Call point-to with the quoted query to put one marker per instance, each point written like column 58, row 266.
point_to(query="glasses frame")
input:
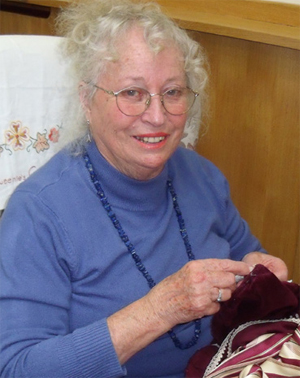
column 148, row 102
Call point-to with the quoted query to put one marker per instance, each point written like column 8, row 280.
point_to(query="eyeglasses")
column 134, row 101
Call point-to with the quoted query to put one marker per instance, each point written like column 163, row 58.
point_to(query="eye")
column 133, row 94
column 174, row 93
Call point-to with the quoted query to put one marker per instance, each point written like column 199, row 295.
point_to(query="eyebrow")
column 141, row 78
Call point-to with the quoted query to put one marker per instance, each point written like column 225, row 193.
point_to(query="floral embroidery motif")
column 18, row 137
column 41, row 143
column 54, row 135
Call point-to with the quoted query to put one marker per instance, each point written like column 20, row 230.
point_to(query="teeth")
column 151, row 139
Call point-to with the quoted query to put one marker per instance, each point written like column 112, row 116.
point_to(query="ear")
column 84, row 98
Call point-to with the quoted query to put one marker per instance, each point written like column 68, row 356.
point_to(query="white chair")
column 35, row 86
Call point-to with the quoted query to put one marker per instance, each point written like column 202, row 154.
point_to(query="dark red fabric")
column 260, row 296
column 252, row 332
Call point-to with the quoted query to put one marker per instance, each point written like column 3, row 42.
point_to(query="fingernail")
column 238, row 278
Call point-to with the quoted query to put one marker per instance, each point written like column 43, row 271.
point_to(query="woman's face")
column 138, row 146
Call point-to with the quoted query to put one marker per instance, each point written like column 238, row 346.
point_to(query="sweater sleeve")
column 35, row 292
column 235, row 229
column 238, row 234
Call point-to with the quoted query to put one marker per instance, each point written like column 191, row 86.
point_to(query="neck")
column 142, row 171
column 134, row 193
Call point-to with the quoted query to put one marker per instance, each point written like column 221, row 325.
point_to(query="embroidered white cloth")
column 34, row 88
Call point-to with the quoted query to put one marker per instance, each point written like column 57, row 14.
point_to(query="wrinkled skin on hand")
column 192, row 292
column 274, row 264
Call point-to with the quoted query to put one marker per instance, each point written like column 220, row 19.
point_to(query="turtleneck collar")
column 126, row 192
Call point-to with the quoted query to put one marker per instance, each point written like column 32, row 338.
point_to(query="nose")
column 155, row 113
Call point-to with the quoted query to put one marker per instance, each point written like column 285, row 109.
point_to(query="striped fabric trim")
column 271, row 355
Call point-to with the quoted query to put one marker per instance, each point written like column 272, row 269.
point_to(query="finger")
column 274, row 264
column 225, row 265
column 238, row 278
column 236, row 267
column 223, row 280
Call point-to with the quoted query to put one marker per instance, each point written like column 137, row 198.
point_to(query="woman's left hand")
column 274, row 264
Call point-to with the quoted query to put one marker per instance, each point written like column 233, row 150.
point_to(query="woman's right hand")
column 186, row 295
column 192, row 292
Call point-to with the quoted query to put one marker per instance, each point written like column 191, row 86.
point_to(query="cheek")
column 179, row 123
column 103, row 109
column 111, row 124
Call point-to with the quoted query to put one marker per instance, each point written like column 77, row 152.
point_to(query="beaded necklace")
column 138, row 262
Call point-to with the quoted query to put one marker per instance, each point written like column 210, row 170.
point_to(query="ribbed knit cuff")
column 91, row 354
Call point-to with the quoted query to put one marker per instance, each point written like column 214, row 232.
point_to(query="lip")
column 152, row 145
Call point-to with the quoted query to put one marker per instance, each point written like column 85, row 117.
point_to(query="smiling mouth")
column 151, row 140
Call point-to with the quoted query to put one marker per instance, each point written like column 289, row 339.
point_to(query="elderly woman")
column 117, row 252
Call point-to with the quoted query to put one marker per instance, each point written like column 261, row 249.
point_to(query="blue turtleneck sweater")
column 64, row 268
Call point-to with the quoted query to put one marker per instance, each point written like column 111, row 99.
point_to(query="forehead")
column 135, row 55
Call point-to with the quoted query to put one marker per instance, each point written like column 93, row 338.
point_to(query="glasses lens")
column 178, row 100
column 133, row 101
